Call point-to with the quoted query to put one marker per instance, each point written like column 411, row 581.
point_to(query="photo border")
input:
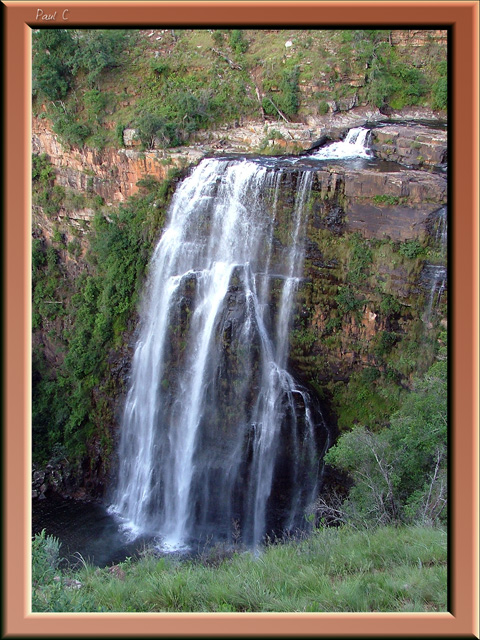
column 462, row 20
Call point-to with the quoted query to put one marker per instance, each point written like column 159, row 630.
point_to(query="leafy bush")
column 95, row 101
column 323, row 107
column 389, row 306
column 97, row 50
column 152, row 127
column 50, row 198
column 53, row 51
column 360, row 259
column 72, row 132
column 348, row 302
column 42, row 170
column 410, row 249
column 217, row 37
column 74, row 248
column 45, row 557
column 370, row 374
column 119, row 128
column 237, row 41
column 286, row 99
column 386, row 342
column 389, row 80
column 399, row 473
column 440, row 87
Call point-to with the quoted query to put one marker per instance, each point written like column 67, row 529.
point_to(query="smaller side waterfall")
column 434, row 276
column 355, row 145
column 441, row 228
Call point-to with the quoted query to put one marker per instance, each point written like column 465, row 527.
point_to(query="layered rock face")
column 365, row 229
column 381, row 204
column 114, row 173
column 411, row 146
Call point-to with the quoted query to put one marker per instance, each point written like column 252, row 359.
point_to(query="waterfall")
column 355, row 145
column 435, row 276
column 215, row 429
column 441, row 228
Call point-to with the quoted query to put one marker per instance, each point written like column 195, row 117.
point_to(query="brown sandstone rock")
column 410, row 145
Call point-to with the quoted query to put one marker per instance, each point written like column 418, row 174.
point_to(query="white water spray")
column 355, row 145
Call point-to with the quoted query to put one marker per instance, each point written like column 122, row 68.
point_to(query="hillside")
column 172, row 84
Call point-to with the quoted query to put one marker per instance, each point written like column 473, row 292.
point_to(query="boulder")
column 131, row 138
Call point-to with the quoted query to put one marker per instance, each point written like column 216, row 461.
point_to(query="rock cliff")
column 114, row 173
column 372, row 228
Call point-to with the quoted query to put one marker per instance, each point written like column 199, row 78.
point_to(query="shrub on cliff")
column 97, row 50
column 440, row 87
column 53, row 51
column 400, row 472
column 237, row 41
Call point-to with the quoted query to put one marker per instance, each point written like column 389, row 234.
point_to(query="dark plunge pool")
column 86, row 530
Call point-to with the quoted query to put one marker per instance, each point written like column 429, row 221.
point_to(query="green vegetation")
column 399, row 473
column 391, row 569
column 45, row 558
column 360, row 259
column 356, row 319
column 411, row 249
column 385, row 199
column 237, row 41
column 53, row 53
column 283, row 87
column 92, row 82
column 440, row 87
column 71, row 401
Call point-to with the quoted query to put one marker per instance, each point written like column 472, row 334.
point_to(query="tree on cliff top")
column 59, row 54
column 53, row 51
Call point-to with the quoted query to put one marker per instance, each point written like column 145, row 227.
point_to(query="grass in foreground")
column 389, row 569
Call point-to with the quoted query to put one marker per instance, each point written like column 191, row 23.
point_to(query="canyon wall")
column 362, row 305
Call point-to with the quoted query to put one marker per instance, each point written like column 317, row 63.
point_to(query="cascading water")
column 435, row 276
column 355, row 145
column 215, row 429
column 441, row 228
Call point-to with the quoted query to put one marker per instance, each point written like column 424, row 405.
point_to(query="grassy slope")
column 172, row 75
column 390, row 569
